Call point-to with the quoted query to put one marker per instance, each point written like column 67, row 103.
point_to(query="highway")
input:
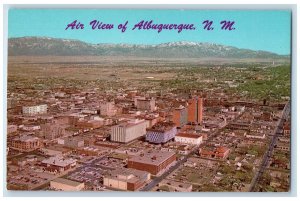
column 269, row 153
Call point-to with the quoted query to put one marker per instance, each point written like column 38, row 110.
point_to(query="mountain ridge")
column 46, row 46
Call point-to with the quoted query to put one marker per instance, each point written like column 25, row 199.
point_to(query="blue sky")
column 257, row 30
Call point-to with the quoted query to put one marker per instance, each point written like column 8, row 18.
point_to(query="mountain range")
column 43, row 46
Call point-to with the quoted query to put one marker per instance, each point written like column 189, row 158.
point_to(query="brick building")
column 145, row 104
column 195, row 110
column 180, row 116
column 58, row 164
column 152, row 161
column 188, row 138
column 26, row 143
column 216, row 152
column 126, row 179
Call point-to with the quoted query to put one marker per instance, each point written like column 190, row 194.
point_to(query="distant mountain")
column 41, row 46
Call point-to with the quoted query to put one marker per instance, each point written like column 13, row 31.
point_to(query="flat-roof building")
column 26, row 143
column 195, row 110
column 127, row 179
column 216, row 152
column 128, row 131
column 152, row 161
column 188, row 138
column 66, row 185
column 180, row 116
column 161, row 132
column 35, row 109
column 174, row 186
column 145, row 104
column 58, row 164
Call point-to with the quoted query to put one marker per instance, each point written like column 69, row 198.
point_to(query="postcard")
column 148, row 100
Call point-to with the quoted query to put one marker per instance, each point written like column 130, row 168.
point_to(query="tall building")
column 128, row 131
column 52, row 131
column 145, row 104
column 34, row 110
column 195, row 110
column 161, row 132
column 108, row 109
column 180, row 116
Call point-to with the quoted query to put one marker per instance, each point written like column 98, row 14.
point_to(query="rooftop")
column 26, row 138
column 188, row 135
column 66, row 182
column 162, row 127
column 59, row 161
column 127, row 174
column 152, row 157
column 131, row 123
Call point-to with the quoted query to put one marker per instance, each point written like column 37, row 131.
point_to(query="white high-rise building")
column 126, row 132
column 36, row 109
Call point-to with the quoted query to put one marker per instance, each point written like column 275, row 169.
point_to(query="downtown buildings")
column 161, row 132
column 128, row 131
column 152, row 161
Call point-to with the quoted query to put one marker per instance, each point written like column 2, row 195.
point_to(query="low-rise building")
column 90, row 124
column 255, row 135
column 152, row 161
column 56, row 150
column 72, row 142
column 58, row 164
column 66, row 185
column 30, row 127
column 174, row 186
column 282, row 146
column 287, row 129
column 188, row 138
column 216, row 152
column 26, row 143
column 126, row 179
column 11, row 129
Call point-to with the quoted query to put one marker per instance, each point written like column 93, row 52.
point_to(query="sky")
column 254, row 29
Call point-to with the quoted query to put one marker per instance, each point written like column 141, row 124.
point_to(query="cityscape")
column 105, row 123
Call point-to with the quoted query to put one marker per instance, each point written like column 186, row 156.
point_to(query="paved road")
column 269, row 153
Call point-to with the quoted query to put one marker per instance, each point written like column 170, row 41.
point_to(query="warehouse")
column 153, row 161
column 66, row 185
